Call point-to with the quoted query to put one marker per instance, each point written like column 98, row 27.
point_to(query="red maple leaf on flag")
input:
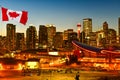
column 20, row 16
column 13, row 14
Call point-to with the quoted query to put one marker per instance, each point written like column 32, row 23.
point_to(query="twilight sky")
column 64, row 14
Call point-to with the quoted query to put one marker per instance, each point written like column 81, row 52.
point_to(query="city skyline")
column 64, row 14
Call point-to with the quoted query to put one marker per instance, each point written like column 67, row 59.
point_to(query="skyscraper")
column 11, row 37
column 43, row 36
column 31, row 37
column 68, row 36
column 20, row 41
column 87, row 26
column 58, row 40
column 66, row 32
column 51, row 30
column 105, row 30
column 106, row 37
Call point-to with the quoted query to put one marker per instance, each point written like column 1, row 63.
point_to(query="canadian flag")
column 20, row 16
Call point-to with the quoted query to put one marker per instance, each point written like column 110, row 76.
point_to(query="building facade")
column 106, row 37
column 31, row 35
column 43, row 36
column 68, row 36
column 51, row 30
column 20, row 41
column 11, row 37
column 58, row 40
column 87, row 26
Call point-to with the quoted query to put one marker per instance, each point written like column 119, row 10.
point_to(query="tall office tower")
column 105, row 30
column 119, row 28
column 87, row 26
column 20, row 41
column 51, row 30
column 31, row 35
column 11, row 39
column 68, row 36
column 66, row 32
column 3, row 42
column 43, row 36
column 65, row 35
column 58, row 40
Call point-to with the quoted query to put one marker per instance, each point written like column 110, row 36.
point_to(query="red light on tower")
column 78, row 31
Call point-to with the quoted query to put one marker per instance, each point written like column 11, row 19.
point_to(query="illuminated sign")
column 53, row 53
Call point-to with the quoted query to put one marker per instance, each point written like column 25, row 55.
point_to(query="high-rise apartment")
column 58, row 40
column 11, row 37
column 68, row 36
column 87, row 26
column 43, row 36
column 20, row 41
column 105, row 30
column 66, row 32
column 31, row 35
column 51, row 30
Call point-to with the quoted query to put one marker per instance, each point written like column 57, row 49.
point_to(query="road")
column 9, row 74
column 46, row 75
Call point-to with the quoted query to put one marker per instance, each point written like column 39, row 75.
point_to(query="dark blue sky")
column 64, row 14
